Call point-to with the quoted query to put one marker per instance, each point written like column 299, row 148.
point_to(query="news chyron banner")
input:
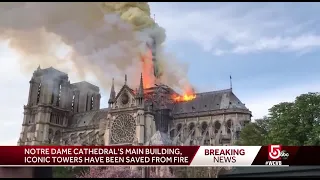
column 206, row 156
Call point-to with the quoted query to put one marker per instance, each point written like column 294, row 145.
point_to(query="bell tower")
column 47, row 109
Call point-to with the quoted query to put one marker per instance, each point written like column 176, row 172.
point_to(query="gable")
column 125, row 98
column 124, row 89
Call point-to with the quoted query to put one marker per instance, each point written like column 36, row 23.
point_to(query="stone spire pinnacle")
column 125, row 79
column 140, row 90
column 112, row 93
column 39, row 68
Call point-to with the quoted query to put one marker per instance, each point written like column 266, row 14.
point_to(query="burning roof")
column 162, row 96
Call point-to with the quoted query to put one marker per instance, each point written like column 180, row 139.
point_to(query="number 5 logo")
column 274, row 152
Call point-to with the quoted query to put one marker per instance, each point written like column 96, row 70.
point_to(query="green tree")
column 296, row 123
column 288, row 123
column 255, row 133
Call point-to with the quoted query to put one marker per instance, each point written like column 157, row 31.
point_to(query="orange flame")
column 149, row 79
column 189, row 95
column 185, row 97
column 147, row 69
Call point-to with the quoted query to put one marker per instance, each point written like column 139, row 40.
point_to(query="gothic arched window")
column 229, row 126
column 217, row 127
column 92, row 100
column 191, row 132
column 172, row 133
column 52, row 98
column 204, row 127
column 59, row 96
column 72, row 103
column 205, row 133
column 179, row 126
column 39, row 92
column 57, row 136
column 192, row 129
column 50, row 136
column 51, row 117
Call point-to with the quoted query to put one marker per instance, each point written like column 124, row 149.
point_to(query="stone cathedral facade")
column 59, row 112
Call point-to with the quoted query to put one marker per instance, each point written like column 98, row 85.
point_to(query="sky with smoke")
column 96, row 39
column 270, row 49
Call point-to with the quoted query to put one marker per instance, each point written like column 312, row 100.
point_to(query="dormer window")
column 39, row 92
column 92, row 100
column 72, row 103
column 59, row 96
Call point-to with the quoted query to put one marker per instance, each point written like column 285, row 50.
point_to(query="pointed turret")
column 112, row 94
column 140, row 93
column 38, row 70
column 140, row 90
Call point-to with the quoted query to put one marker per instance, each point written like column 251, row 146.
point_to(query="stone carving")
column 123, row 129
column 135, row 115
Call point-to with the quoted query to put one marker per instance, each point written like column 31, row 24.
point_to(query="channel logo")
column 275, row 153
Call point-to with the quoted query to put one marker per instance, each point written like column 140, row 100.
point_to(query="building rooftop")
column 209, row 101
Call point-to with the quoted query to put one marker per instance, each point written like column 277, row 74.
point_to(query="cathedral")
column 64, row 113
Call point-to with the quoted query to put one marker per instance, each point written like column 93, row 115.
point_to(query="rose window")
column 125, row 99
column 123, row 129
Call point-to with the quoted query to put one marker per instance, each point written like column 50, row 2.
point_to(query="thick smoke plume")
column 104, row 39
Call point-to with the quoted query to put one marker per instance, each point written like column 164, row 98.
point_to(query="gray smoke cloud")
column 101, row 39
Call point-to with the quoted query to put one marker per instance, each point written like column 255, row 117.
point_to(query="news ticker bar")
column 274, row 155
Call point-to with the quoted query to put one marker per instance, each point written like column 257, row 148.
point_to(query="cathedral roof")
column 50, row 72
column 85, row 84
column 160, row 97
column 159, row 139
column 88, row 118
column 208, row 101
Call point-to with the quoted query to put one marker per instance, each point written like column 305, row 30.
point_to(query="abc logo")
column 276, row 153
column 284, row 154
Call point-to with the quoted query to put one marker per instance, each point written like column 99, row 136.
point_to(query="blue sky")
column 270, row 49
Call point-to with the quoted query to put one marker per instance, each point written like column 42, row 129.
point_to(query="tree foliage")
column 120, row 172
column 255, row 133
column 288, row 123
